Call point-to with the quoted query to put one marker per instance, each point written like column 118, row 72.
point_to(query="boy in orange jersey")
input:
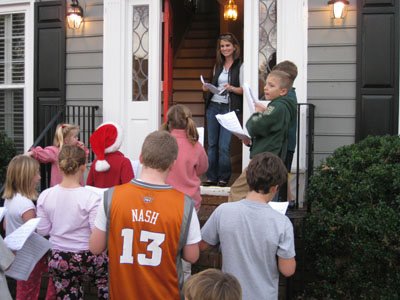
column 149, row 227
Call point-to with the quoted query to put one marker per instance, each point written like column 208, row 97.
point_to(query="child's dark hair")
column 180, row 117
column 265, row 171
column 70, row 159
column 212, row 284
column 159, row 150
column 62, row 131
column 20, row 173
column 288, row 67
column 229, row 37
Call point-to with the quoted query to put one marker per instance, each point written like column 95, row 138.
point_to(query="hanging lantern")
column 338, row 8
column 74, row 15
column 230, row 11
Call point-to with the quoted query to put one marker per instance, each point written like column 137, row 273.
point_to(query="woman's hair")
column 70, row 159
column 229, row 37
column 180, row 117
column 20, row 174
column 62, row 131
column 212, row 284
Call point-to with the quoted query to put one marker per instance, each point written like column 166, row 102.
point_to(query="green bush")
column 352, row 234
column 7, row 152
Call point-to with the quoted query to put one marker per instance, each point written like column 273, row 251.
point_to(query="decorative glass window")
column 267, row 42
column 12, row 77
column 140, row 61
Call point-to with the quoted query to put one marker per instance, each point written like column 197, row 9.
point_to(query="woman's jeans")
column 219, row 140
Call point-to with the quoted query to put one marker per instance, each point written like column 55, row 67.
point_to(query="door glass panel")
column 140, row 49
column 267, row 42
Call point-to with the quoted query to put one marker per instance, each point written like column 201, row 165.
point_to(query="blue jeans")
column 219, row 140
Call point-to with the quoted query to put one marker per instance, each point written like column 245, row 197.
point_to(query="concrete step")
column 194, row 63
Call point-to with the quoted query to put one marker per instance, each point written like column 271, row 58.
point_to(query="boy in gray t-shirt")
column 256, row 241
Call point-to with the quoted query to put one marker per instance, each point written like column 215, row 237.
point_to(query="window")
column 12, row 77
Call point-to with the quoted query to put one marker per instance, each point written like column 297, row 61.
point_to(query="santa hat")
column 107, row 138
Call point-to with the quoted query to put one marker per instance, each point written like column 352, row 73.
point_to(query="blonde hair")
column 288, row 67
column 212, row 284
column 21, row 172
column 180, row 117
column 229, row 37
column 70, row 159
column 159, row 150
column 62, row 131
column 284, row 79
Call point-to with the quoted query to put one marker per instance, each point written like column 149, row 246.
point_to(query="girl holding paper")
column 227, row 76
column 22, row 178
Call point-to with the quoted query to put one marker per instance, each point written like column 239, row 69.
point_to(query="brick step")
column 187, row 85
column 194, row 63
column 195, row 43
column 196, row 52
column 192, row 73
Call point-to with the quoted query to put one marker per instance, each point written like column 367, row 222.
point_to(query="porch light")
column 230, row 11
column 74, row 15
column 338, row 8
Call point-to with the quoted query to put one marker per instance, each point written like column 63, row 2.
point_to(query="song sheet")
column 279, row 206
column 213, row 89
column 3, row 211
column 27, row 257
column 16, row 240
column 200, row 130
column 230, row 122
column 250, row 99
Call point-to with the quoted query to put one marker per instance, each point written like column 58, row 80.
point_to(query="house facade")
column 348, row 68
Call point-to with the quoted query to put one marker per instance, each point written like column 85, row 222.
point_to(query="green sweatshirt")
column 269, row 130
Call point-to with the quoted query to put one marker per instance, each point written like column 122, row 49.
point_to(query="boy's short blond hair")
column 159, row 150
column 284, row 79
column 212, row 284
column 288, row 67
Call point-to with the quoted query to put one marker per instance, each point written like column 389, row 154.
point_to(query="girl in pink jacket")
column 66, row 134
column 192, row 159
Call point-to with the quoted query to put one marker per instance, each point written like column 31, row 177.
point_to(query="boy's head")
column 159, row 150
column 265, row 171
column 212, row 284
column 278, row 84
column 288, row 67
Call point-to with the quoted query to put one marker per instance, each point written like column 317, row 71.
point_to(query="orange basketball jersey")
column 148, row 227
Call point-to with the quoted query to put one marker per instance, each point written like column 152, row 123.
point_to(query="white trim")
column 27, row 7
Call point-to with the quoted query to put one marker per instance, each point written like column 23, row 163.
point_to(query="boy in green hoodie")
column 268, row 126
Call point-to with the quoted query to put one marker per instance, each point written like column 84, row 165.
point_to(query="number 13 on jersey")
column 153, row 239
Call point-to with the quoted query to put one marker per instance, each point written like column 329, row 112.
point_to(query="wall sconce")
column 338, row 8
column 230, row 11
column 74, row 15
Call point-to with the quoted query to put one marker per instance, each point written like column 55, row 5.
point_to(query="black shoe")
column 222, row 183
column 208, row 183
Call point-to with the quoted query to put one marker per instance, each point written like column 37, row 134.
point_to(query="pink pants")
column 30, row 289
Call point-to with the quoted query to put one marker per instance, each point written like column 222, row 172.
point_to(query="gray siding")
column 84, row 61
column 331, row 72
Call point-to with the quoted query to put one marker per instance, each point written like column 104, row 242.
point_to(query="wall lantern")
column 230, row 11
column 338, row 8
column 74, row 15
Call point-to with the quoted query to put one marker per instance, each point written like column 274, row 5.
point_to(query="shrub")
column 352, row 233
column 7, row 152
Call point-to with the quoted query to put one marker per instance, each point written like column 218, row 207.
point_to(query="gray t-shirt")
column 251, row 235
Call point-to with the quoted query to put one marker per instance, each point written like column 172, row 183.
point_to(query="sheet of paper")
column 249, row 97
column 3, row 211
column 213, row 89
column 200, row 130
column 98, row 191
column 279, row 206
column 230, row 122
column 33, row 250
column 15, row 241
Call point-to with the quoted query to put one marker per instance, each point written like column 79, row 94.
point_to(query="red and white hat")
column 107, row 138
